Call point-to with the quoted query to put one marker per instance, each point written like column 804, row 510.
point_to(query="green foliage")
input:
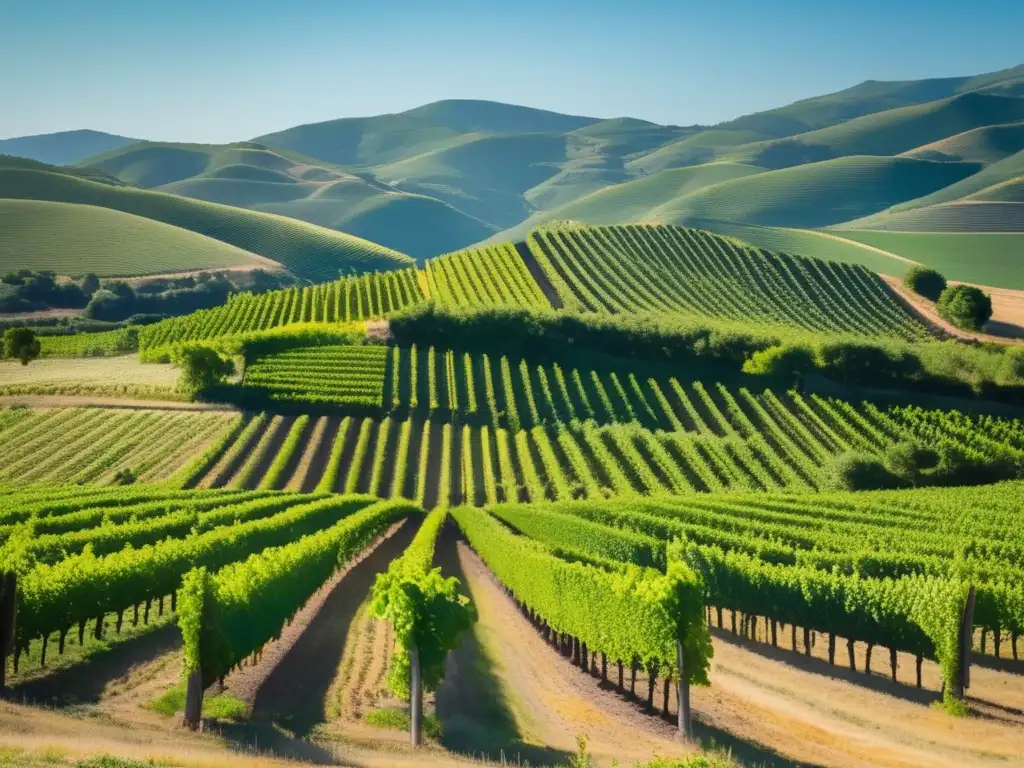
column 925, row 281
column 335, row 375
column 426, row 610
column 201, row 368
column 852, row 471
column 626, row 614
column 218, row 707
column 245, row 604
column 21, row 344
column 399, row 719
column 784, row 361
column 965, row 306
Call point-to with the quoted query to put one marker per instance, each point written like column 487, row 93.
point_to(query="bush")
column 965, row 306
column 786, row 360
column 907, row 461
column 21, row 344
column 853, row 471
column 855, row 362
column 201, row 368
column 925, row 281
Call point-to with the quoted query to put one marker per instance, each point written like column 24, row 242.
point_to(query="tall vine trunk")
column 849, row 650
column 416, row 697
column 832, row 648
column 893, row 663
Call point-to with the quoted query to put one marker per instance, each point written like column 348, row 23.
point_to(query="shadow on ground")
column 476, row 719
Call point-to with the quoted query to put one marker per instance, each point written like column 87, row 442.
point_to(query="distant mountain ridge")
column 942, row 153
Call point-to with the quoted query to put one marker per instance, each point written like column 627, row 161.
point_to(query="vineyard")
column 93, row 445
column 593, row 269
column 636, row 268
column 455, row 429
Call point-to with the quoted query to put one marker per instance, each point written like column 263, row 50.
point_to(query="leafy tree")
column 90, row 283
column 925, row 281
column 908, row 460
column 201, row 368
column 21, row 343
column 965, row 306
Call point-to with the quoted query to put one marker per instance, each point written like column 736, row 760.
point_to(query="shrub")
column 854, row 471
column 201, row 368
column 785, row 360
column 925, row 281
column 866, row 362
column 908, row 460
column 965, row 306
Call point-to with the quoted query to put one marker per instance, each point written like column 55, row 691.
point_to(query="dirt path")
column 548, row 701
column 91, row 401
column 289, row 687
column 538, row 275
column 1007, row 314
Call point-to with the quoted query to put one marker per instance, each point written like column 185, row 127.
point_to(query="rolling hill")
column 306, row 250
column 251, row 175
column 63, row 148
column 73, row 239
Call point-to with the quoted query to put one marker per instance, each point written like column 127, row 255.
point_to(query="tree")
column 201, row 368
column 965, row 306
column 786, row 360
column 21, row 343
column 925, row 281
column 90, row 283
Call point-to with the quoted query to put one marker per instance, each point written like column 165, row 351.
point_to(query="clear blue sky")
column 225, row 70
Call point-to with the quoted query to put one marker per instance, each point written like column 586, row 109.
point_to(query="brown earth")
column 1006, row 325
column 90, row 401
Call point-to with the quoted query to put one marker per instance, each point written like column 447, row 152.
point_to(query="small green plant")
column 581, row 759
column 219, row 707
column 397, row 719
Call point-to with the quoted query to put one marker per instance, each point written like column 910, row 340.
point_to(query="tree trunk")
column 135, row 616
column 892, row 663
column 584, row 657
column 652, row 681
column 120, row 620
column 775, row 638
column 1013, row 644
column 145, row 613
column 792, row 628
column 81, row 631
column 684, row 720
column 42, row 652
column 867, row 659
column 416, row 696
column 8, row 619
column 832, row 648
column 664, row 702
column 632, row 678
column 720, row 622
column 734, row 622
column 807, row 641
column 61, row 637
column 174, row 601
column 98, row 630
column 620, row 688
column 853, row 659
column 604, row 667
column 997, row 639
column 917, row 663
column 193, row 701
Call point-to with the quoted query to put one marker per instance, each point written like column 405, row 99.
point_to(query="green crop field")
column 988, row 258
column 671, row 269
column 80, row 445
column 309, row 251
column 74, row 239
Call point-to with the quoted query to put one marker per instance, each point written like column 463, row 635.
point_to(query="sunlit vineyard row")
column 688, row 271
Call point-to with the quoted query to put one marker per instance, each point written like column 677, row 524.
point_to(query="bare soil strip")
column 300, row 476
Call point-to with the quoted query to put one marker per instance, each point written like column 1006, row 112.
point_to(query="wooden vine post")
column 8, row 614
column 415, row 696
column 966, row 642
column 685, row 721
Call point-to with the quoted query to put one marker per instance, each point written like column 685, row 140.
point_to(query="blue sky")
column 225, row 70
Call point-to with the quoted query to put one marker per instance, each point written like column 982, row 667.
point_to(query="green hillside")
column 637, row 200
column 995, row 259
column 309, row 251
column 63, row 148
column 816, row 194
column 974, row 214
column 250, row 175
column 74, row 239
column 986, row 145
